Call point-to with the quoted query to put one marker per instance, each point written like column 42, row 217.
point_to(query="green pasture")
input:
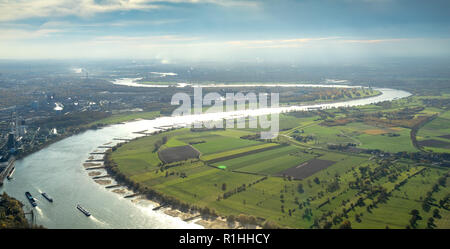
column 268, row 162
column 125, row 117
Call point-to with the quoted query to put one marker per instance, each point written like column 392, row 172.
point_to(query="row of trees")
column 239, row 189
column 159, row 143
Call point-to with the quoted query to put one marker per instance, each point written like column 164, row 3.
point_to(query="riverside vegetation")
column 12, row 214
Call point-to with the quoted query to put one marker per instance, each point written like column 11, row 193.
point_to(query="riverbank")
column 62, row 164
column 12, row 215
column 207, row 222
column 152, row 115
column 170, row 205
column 99, row 124
column 76, row 131
column 179, row 207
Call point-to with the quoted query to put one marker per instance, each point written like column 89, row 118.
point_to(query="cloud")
column 174, row 49
column 225, row 3
column 96, row 25
column 142, row 41
column 279, row 43
column 23, row 9
column 373, row 41
column 300, row 42
column 21, row 34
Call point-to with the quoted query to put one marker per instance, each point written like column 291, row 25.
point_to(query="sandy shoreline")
column 103, row 182
column 87, row 165
column 120, row 191
column 206, row 222
column 95, row 173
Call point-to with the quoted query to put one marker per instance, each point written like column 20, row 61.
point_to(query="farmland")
column 307, row 169
column 179, row 153
column 435, row 136
column 268, row 162
column 125, row 117
column 326, row 168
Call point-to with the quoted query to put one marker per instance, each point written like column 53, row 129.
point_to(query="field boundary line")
column 215, row 160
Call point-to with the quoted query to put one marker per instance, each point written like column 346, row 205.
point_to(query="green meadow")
column 368, row 190
column 125, row 117
column 268, row 162
column 435, row 130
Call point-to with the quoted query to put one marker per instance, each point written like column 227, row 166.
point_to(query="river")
column 58, row 170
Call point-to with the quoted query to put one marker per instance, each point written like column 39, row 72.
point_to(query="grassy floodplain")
column 437, row 130
column 368, row 190
column 125, row 117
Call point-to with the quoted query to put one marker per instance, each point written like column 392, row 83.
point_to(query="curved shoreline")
column 133, row 82
column 207, row 221
column 108, row 133
column 175, row 209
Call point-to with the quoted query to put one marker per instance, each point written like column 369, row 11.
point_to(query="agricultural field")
column 435, row 136
column 211, row 142
column 306, row 169
column 303, row 179
column 230, row 154
column 268, row 162
column 389, row 139
column 125, row 117
column 179, row 153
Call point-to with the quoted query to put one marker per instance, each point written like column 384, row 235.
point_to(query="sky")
column 171, row 31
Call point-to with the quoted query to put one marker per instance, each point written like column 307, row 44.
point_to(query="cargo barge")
column 84, row 211
column 11, row 172
column 46, row 196
column 31, row 199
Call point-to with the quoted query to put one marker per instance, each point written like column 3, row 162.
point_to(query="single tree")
column 346, row 225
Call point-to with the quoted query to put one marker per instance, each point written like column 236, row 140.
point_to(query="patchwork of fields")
column 296, row 180
column 364, row 135
column 269, row 162
column 126, row 117
column 179, row 153
column 435, row 135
